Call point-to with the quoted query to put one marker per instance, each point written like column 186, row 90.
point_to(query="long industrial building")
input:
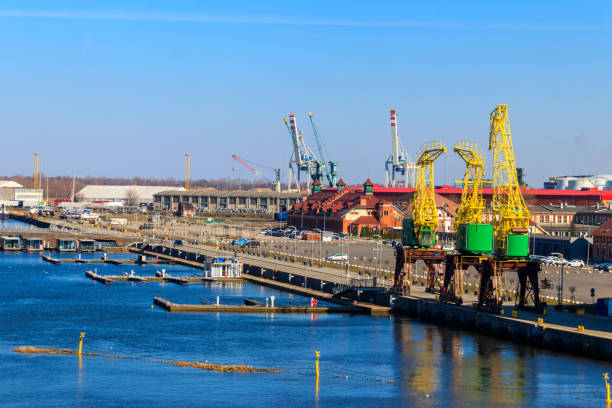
column 126, row 194
column 253, row 201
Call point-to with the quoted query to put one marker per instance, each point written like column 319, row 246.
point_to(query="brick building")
column 602, row 242
column 351, row 209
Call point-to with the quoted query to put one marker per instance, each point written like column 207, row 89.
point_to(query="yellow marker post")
column 514, row 314
column 540, row 320
column 318, row 354
column 81, row 343
column 608, row 398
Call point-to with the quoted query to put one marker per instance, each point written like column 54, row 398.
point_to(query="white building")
column 598, row 181
column 125, row 194
column 13, row 194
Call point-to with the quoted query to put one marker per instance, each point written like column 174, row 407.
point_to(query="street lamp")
column 379, row 250
column 294, row 242
column 320, row 244
column 560, row 256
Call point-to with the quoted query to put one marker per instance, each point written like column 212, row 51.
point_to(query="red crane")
column 251, row 168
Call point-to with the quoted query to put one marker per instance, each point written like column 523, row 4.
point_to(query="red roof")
column 341, row 183
column 604, row 230
column 365, row 220
column 368, row 182
column 317, row 182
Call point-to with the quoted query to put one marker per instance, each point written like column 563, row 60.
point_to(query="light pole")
column 320, row 244
column 560, row 256
column 294, row 242
column 379, row 250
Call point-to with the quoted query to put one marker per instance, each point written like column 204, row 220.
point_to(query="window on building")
column 541, row 218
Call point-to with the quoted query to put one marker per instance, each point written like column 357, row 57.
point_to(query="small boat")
column 252, row 302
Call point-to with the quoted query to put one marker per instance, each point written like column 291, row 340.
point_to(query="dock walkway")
column 174, row 307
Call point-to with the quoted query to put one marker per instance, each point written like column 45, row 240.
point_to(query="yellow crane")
column 187, row 155
column 473, row 235
column 35, row 170
column 421, row 229
column 511, row 216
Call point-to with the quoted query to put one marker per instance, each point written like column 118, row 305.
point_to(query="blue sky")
column 126, row 88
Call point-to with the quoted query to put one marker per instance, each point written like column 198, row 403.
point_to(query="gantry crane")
column 474, row 236
column 302, row 158
column 399, row 162
column 258, row 173
column 511, row 216
column 421, row 229
column 329, row 168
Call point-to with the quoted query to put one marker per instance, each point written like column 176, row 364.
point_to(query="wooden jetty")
column 53, row 261
column 252, row 302
column 174, row 307
column 98, row 278
column 179, row 280
column 116, row 262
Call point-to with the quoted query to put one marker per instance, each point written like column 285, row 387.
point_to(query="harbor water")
column 365, row 361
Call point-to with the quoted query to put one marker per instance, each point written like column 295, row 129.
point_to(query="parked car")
column 252, row 244
column 337, row 257
column 552, row 260
column 240, row 241
column 603, row 266
column 178, row 242
column 576, row 263
column 536, row 257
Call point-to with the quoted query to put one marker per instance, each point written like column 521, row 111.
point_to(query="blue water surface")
column 365, row 361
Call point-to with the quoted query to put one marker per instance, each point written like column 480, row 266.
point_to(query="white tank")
column 579, row 184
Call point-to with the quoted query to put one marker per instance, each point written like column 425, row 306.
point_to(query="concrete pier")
column 174, row 307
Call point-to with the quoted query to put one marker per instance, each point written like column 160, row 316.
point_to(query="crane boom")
column 328, row 167
column 251, row 168
column 511, row 216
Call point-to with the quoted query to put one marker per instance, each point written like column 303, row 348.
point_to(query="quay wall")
column 522, row 331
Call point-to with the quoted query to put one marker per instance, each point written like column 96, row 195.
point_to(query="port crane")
column 419, row 232
column 474, row 242
column 399, row 162
column 258, row 173
column 329, row 168
column 511, row 216
column 422, row 232
column 302, row 159
column 473, row 234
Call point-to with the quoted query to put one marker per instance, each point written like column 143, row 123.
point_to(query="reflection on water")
column 379, row 362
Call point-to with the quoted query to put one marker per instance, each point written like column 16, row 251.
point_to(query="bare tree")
column 131, row 197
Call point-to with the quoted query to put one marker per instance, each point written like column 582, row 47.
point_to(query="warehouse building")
column 130, row 195
column 13, row 194
column 215, row 201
